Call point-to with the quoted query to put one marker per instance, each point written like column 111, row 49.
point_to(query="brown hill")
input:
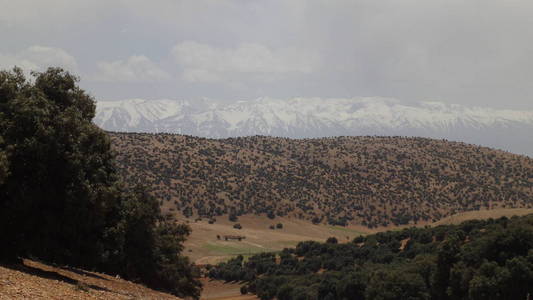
column 34, row 280
column 373, row 181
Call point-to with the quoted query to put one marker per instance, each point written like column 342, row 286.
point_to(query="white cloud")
column 39, row 58
column 472, row 52
column 136, row 68
column 205, row 63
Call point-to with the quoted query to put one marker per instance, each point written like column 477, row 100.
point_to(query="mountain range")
column 509, row 130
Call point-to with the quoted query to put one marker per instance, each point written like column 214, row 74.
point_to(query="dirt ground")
column 34, row 280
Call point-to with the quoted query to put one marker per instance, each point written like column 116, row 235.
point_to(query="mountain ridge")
column 505, row 129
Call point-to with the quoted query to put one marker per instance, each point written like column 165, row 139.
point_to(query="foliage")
column 62, row 201
column 490, row 259
column 53, row 203
column 4, row 169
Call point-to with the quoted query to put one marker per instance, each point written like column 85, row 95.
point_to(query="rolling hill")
column 315, row 117
column 371, row 181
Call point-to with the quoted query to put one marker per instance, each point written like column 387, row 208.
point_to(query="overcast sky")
column 473, row 52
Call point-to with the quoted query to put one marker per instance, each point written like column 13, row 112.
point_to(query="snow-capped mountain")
column 510, row 130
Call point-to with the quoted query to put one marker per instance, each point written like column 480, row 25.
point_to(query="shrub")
column 244, row 290
column 233, row 217
column 332, row 240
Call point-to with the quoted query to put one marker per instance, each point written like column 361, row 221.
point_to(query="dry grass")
column 203, row 247
column 218, row 290
column 482, row 215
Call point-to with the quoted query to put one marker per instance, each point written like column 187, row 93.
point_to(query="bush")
column 332, row 240
column 237, row 226
column 233, row 217
column 244, row 290
column 279, row 226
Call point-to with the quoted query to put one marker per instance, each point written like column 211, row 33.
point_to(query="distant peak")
column 317, row 117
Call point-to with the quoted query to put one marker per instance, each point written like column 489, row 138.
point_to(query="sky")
column 470, row 52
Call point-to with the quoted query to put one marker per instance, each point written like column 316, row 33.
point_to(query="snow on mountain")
column 315, row 117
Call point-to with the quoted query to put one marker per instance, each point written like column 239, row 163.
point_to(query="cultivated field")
column 203, row 247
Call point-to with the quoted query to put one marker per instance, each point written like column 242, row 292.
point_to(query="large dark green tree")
column 62, row 202
column 3, row 163
column 144, row 246
column 52, row 203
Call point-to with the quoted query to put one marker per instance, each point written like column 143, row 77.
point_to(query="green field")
column 345, row 229
column 241, row 248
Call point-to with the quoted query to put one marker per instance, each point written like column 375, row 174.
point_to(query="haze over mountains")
column 509, row 130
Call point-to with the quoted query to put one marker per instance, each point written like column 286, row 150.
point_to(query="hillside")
column 483, row 215
column 475, row 260
column 372, row 181
column 203, row 246
column 34, row 280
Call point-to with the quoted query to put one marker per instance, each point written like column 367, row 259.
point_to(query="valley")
column 203, row 246
column 266, row 150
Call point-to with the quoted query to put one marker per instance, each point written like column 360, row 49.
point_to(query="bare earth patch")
column 35, row 280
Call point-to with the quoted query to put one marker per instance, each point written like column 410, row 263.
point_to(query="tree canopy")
column 60, row 197
column 490, row 259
